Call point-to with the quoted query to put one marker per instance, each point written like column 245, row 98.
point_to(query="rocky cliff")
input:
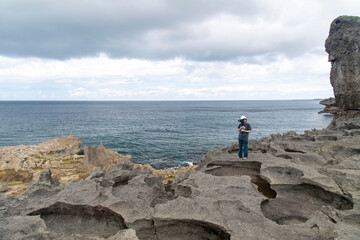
column 293, row 186
column 344, row 54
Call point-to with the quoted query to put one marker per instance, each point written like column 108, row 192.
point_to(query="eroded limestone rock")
column 21, row 165
column 100, row 156
column 343, row 46
column 330, row 106
column 303, row 185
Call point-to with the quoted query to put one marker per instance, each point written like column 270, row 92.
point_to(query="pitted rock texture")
column 346, row 120
column 21, row 165
column 343, row 46
column 303, row 185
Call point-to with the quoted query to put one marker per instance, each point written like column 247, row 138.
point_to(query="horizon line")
column 157, row 100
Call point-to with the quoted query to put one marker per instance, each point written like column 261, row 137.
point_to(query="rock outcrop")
column 292, row 186
column 102, row 157
column 330, row 106
column 21, row 165
column 343, row 46
column 344, row 54
column 303, row 185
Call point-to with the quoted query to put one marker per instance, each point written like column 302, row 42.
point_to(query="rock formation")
column 20, row 165
column 330, row 106
column 102, row 157
column 343, row 46
column 344, row 54
column 293, row 186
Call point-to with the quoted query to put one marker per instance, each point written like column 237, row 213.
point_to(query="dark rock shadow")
column 244, row 168
column 179, row 229
column 296, row 203
column 68, row 220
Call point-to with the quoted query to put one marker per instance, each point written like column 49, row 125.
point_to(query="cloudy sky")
column 166, row 50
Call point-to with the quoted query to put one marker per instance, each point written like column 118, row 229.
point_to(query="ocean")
column 164, row 134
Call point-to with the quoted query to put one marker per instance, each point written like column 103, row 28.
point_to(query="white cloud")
column 78, row 92
column 104, row 78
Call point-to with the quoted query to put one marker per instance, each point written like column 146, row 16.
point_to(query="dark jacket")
column 244, row 135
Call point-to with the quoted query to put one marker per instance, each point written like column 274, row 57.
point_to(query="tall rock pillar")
column 343, row 47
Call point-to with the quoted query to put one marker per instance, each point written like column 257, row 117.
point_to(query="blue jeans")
column 241, row 144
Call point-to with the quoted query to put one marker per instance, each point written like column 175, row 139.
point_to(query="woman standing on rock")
column 244, row 129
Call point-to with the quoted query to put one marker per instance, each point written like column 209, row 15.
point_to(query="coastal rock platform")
column 292, row 186
column 21, row 165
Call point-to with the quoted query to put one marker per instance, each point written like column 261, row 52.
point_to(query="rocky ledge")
column 330, row 106
column 21, row 165
column 293, row 186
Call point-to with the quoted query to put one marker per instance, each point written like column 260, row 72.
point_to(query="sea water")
column 164, row 134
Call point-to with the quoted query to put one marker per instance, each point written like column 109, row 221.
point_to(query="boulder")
column 100, row 156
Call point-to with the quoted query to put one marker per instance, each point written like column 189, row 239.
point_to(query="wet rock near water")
column 330, row 106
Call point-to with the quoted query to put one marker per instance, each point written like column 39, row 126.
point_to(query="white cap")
column 243, row 117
